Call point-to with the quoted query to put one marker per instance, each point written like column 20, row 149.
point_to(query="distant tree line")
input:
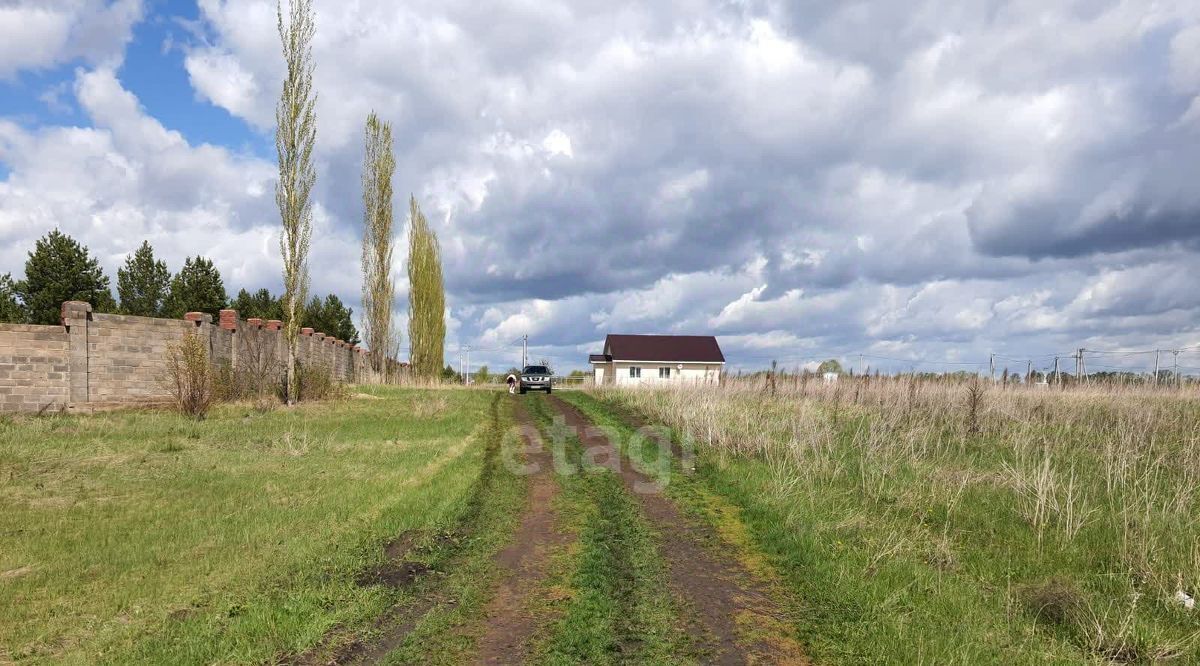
column 60, row 269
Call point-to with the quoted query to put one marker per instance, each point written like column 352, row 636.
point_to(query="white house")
column 658, row 359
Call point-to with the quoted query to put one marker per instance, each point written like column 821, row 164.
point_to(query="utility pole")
column 1057, row 378
column 1029, row 373
column 524, row 352
column 1156, row 353
column 467, row 376
column 1178, row 383
column 1081, row 369
column 992, row 365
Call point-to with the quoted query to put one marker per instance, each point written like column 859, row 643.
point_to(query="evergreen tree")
column 426, row 297
column 11, row 309
column 331, row 317
column 259, row 305
column 143, row 284
column 60, row 269
column 197, row 288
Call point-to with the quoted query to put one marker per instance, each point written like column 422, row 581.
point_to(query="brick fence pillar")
column 75, row 317
column 203, row 322
column 200, row 317
column 228, row 321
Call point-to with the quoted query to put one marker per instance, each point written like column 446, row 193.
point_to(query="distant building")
column 658, row 359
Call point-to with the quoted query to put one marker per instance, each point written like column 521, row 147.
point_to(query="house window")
column 635, row 372
column 664, row 373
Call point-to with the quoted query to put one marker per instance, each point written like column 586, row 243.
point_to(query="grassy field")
column 1050, row 527
column 144, row 537
column 902, row 523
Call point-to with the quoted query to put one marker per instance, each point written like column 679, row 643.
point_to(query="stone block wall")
column 127, row 356
column 95, row 359
column 34, row 368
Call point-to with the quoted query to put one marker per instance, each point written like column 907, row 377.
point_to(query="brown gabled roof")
column 666, row 348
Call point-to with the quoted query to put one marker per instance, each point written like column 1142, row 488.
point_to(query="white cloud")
column 558, row 143
column 38, row 34
column 220, row 78
column 129, row 178
column 903, row 178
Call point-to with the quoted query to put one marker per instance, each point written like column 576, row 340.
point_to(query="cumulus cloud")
column 127, row 178
column 37, row 34
column 929, row 179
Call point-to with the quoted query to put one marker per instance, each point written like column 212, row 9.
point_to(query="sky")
column 898, row 185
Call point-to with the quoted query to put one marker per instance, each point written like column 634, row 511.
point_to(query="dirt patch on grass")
column 731, row 613
column 396, row 572
column 393, row 574
column 16, row 573
column 519, row 606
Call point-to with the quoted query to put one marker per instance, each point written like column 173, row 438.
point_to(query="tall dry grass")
column 1100, row 482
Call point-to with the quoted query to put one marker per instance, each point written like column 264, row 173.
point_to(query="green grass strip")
column 618, row 610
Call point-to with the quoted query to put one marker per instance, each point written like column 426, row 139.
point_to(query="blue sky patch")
column 154, row 71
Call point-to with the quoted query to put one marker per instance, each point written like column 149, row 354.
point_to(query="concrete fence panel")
column 95, row 359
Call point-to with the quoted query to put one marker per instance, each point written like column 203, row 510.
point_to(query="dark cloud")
column 929, row 178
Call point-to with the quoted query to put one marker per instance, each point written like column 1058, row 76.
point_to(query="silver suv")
column 535, row 378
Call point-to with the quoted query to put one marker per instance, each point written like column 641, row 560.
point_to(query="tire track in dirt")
column 731, row 613
column 512, row 615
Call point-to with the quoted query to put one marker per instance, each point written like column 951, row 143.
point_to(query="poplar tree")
column 143, row 284
column 60, row 269
column 378, row 287
column 295, row 136
column 426, row 298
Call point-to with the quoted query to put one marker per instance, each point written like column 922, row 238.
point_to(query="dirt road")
column 729, row 610
column 513, row 615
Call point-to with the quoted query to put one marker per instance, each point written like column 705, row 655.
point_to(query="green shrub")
column 190, row 376
column 315, row 382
